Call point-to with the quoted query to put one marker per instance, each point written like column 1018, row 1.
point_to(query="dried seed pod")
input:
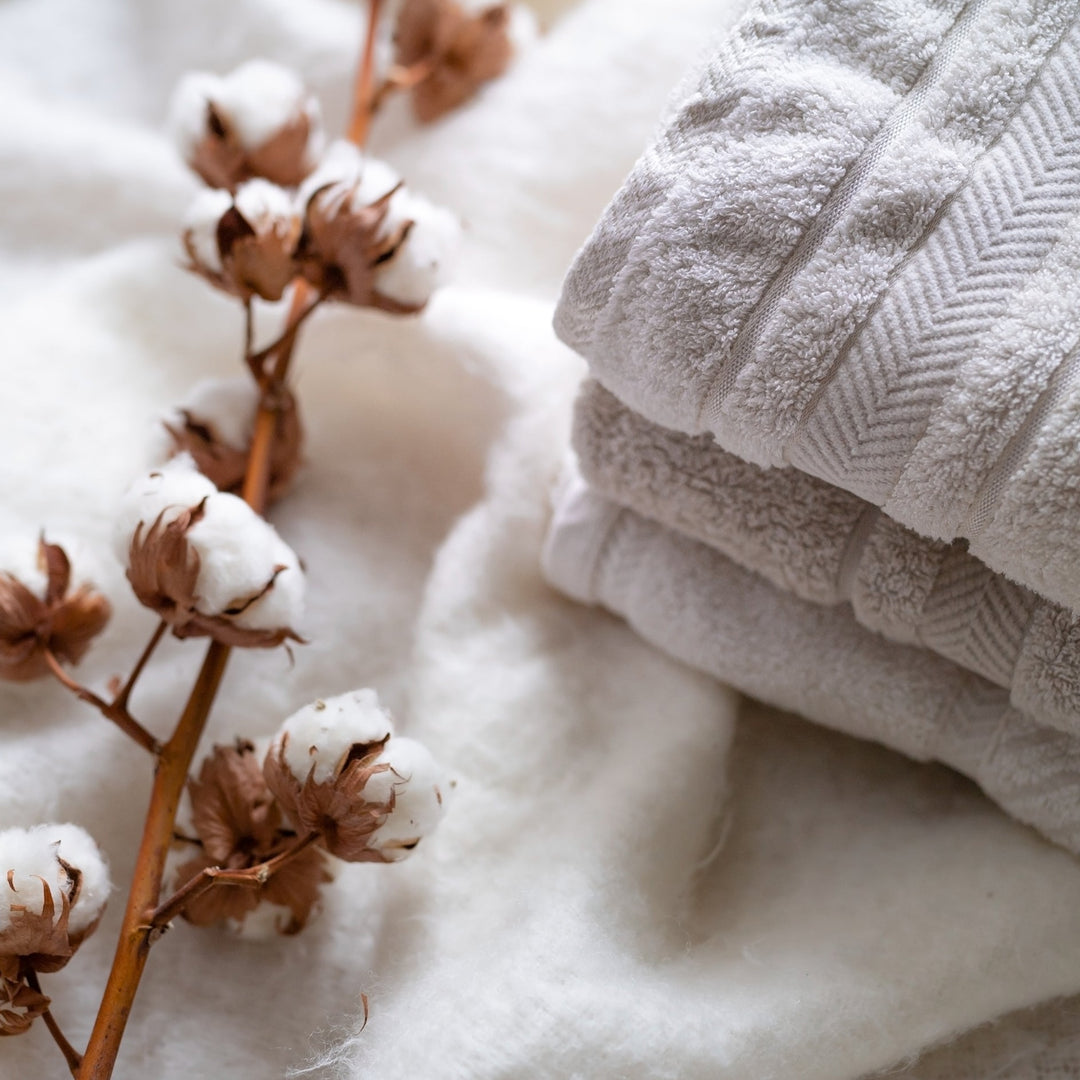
column 39, row 613
column 215, row 426
column 456, row 52
column 244, row 244
column 206, row 562
column 333, row 767
column 53, row 888
column 258, row 121
column 239, row 826
column 368, row 240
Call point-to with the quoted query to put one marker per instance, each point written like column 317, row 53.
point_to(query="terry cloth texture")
column 828, row 546
column 703, row 608
column 855, row 250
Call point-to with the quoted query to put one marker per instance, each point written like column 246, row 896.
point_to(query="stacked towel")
column 834, row 439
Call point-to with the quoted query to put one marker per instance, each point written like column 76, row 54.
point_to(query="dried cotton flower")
column 215, row 426
column 53, row 888
column 206, row 562
column 239, row 826
column 244, row 244
column 368, row 240
column 39, row 613
column 258, row 121
column 319, row 764
column 456, row 51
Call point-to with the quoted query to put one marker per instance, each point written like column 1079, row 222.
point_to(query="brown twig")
column 117, row 713
column 251, row 877
column 71, row 1055
column 364, row 87
column 122, row 698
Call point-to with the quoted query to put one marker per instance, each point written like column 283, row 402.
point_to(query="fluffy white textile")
column 567, row 919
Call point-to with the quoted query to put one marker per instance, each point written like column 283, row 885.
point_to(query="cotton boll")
column 342, row 163
column 424, row 260
column 187, row 109
column 200, row 228
column 265, row 206
column 169, row 490
column 227, row 407
column 30, row 862
column 418, row 783
column 260, row 98
column 321, row 734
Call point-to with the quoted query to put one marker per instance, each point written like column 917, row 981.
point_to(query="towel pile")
column 831, row 452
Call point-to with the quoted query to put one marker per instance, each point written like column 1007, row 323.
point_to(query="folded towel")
column 830, row 547
column 856, row 250
column 704, row 609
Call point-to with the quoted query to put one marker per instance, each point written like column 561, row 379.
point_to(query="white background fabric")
column 574, row 917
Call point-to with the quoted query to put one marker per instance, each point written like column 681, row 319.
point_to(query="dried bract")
column 245, row 245
column 459, row 52
column 39, row 615
column 207, row 563
column 215, row 427
column 258, row 121
column 20, row 1005
column 239, row 826
column 333, row 768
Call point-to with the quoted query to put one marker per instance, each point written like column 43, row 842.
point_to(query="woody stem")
column 251, row 877
column 116, row 712
column 71, row 1055
column 121, row 699
column 364, row 88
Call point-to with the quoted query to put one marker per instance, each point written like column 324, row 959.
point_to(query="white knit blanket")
column 577, row 914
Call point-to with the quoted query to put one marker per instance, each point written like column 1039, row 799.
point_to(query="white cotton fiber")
column 320, row 734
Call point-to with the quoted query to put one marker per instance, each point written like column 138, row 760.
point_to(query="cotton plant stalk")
column 283, row 215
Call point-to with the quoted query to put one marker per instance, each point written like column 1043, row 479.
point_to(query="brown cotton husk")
column 62, row 624
column 343, row 246
column 163, row 570
column 20, row 1005
column 458, row 52
column 257, row 258
column 334, row 807
column 239, row 825
column 225, row 465
column 223, row 162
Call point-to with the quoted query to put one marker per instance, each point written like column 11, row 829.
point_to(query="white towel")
column 830, row 547
column 704, row 609
column 856, row 250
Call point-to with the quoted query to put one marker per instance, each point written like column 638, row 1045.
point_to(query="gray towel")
column 830, row 547
column 856, row 250
column 701, row 607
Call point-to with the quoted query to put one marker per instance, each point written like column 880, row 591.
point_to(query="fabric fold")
column 707, row 611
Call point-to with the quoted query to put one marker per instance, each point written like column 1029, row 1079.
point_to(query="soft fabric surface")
column 576, row 915
column 830, row 547
column 891, row 304
column 694, row 603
